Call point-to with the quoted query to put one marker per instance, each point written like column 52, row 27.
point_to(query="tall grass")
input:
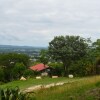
column 76, row 89
column 73, row 91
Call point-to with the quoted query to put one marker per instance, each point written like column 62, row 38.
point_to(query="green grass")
column 78, row 90
column 32, row 82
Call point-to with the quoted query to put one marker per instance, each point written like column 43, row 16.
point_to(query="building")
column 43, row 69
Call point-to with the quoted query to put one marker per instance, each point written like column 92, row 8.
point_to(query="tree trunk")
column 65, row 70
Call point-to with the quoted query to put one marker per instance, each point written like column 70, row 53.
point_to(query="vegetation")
column 14, row 94
column 44, row 57
column 18, row 70
column 12, row 66
column 68, row 49
column 87, row 88
column 32, row 82
column 66, row 55
column 84, row 89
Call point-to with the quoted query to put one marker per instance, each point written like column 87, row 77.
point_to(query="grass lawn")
column 31, row 82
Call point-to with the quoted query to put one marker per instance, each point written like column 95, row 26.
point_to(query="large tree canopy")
column 8, row 62
column 67, row 49
column 10, row 59
column 96, row 48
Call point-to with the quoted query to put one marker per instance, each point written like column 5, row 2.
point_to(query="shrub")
column 28, row 73
column 18, row 70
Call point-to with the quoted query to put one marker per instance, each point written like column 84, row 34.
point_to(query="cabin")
column 43, row 69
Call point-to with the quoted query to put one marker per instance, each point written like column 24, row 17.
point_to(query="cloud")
column 36, row 22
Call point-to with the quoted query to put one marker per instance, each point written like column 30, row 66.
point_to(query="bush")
column 58, row 68
column 28, row 73
column 18, row 70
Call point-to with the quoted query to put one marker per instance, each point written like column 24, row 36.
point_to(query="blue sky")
column 36, row 22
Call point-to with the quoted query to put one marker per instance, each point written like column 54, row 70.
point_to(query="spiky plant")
column 14, row 94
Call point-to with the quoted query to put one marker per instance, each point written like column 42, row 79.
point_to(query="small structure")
column 23, row 78
column 44, row 74
column 70, row 76
column 54, row 76
column 38, row 77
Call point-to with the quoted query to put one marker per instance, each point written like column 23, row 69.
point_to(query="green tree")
column 82, row 67
column 97, row 44
column 57, row 68
column 97, row 65
column 28, row 73
column 44, row 57
column 96, row 48
column 18, row 70
column 1, row 74
column 9, row 60
column 67, row 49
column 94, row 55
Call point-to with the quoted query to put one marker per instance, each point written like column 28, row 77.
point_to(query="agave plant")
column 14, row 94
column 7, row 94
column 2, row 95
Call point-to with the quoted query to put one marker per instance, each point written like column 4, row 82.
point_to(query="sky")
column 36, row 22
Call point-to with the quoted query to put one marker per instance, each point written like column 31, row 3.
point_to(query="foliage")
column 18, row 70
column 1, row 74
column 10, row 67
column 44, row 57
column 58, row 68
column 66, row 54
column 67, row 49
column 10, row 59
column 95, row 55
column 97, row 64
column 95, row 49
column 13, row 94
column 28, row 73
column 97, row 44
column 83, row 67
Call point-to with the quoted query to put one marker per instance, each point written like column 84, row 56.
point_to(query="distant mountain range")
column 29, row 50
column 14, row 46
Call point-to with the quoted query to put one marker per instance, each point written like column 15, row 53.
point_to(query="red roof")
column 39, row 67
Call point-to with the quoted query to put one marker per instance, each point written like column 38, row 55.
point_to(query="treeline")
column 66, row 55
column 13, row 66
column 73, row 55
